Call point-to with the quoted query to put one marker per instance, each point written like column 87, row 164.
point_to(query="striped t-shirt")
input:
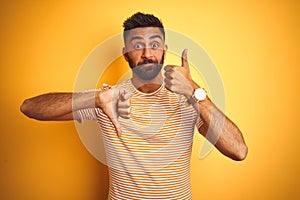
column 151, row 160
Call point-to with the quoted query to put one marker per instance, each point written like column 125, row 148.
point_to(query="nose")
column 147, row 53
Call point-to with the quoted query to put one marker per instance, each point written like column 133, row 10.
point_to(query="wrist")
column 100, row 95
column 190, row 90
column 199, row 95
column 98, row 102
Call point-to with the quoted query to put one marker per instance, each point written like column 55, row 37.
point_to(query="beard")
column 146, row 72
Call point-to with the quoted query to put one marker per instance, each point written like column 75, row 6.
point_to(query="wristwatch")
column 199, row 95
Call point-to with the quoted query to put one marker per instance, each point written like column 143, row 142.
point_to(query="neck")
column 147, row 86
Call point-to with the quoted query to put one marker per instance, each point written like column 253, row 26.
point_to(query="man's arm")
column 217, row 128
column 221, row 131
column 57, row 106
column 60, row 106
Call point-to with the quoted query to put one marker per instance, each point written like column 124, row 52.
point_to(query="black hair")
column 139, row 20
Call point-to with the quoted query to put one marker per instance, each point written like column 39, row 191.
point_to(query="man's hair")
column 139, row 20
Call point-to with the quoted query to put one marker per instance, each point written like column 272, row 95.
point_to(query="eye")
column 155, row 45
column 138, row 46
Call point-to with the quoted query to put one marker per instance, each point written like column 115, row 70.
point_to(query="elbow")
column 24, row 108
column 242, row 153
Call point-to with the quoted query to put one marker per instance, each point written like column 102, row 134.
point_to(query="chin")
column 147, row 72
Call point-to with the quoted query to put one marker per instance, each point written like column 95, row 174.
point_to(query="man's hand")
column 114, row 102
column 124, row 104
column 178, row 78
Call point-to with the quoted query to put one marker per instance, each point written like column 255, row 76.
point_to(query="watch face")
column 200, row 94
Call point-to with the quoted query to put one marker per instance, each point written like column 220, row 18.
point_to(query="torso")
column 151, row 160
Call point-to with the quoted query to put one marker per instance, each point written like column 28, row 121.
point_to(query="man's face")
column 145, row 51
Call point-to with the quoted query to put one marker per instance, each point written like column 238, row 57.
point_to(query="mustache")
column 146, row 61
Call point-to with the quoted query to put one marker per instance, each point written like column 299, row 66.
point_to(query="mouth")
column 147, row 62
column 147, row 65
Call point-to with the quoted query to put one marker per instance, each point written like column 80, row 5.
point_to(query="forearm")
column 221, row 131
column 218, row 128
column 57, row 106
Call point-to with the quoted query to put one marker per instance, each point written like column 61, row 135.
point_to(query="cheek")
column 135, row 56
column 160, row 56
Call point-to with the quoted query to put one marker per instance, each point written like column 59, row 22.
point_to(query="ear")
column 165, row 51
column 125, row 54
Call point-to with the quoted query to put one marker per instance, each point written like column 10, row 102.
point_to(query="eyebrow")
column 140, row 38
column 156, row 36
column 136, row 38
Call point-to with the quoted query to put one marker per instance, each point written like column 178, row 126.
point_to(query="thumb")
column 112, row 114
column 117, row 125
column 184, row 61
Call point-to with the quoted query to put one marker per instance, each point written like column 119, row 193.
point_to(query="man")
column 147, row 122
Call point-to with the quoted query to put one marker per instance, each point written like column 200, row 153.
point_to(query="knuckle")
column 166, row 80
column 167, row 86
column 171, row 87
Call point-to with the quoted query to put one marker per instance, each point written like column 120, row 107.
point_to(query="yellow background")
column 254, row 44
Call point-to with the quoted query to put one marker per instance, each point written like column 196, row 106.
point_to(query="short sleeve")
column 87, row 114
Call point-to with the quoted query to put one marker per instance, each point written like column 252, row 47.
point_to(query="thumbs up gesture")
column 178, row 78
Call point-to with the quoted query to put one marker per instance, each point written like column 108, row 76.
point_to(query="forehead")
column 144, row 33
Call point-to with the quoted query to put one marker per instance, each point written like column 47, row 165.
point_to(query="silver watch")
column 199, row 95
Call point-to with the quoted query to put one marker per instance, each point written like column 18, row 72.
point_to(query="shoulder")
column 126, row 83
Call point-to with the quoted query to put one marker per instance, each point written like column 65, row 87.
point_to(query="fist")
column 178, row 78
column 124, row 104
column 114, row 102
